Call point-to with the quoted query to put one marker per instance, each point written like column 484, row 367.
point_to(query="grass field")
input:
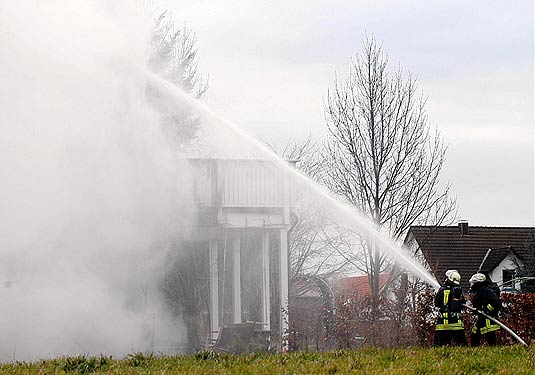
column 498, row 360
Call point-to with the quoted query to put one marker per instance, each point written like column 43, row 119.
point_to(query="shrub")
column 518, row 313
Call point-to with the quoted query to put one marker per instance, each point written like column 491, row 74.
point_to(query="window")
column 507, row 277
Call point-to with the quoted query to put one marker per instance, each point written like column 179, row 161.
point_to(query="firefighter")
column 449, row 300
column 484, row 298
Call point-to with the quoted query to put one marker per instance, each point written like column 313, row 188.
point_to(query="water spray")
column 347, row 211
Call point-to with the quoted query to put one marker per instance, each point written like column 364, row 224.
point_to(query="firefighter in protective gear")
column 484, row 298
column 449, row 300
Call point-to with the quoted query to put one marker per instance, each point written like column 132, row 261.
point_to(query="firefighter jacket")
column 449, row 300
column 484, row 298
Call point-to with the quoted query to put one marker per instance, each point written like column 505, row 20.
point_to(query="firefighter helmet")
column 477, row 278
column 453, row 276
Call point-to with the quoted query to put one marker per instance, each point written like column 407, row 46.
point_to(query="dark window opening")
column 507, row 277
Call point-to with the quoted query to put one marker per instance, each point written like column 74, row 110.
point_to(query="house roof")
column 497, row 255
column 445, row 248
column 358, row 285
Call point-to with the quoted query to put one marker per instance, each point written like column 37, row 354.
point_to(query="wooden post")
column 284, row 267
column 266, row 293
column 284, row 289
column 214, row 290
column 236, row 281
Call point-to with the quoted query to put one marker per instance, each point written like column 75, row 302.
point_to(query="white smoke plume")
column 91, row 191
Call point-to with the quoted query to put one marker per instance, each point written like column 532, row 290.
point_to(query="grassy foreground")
column 498, row 360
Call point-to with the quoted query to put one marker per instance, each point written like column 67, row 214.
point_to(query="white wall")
column 510, row 262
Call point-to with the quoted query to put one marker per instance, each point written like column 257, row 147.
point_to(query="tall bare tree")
column 310, row 242
column 380, row 155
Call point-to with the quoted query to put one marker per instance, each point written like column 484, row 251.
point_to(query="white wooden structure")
column 234, row 196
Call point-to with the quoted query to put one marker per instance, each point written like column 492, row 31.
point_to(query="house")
column 358, row 285
column 243, row 208
column 469, row 249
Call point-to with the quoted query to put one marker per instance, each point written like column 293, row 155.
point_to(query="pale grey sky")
column 271, row 62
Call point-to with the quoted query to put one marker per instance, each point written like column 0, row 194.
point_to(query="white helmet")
column 477, row 278
column 453, row 276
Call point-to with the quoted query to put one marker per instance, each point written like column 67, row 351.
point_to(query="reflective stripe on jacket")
column 447, row 320
column 486, row 327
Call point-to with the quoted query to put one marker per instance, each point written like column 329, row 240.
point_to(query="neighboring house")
column 358, row 286
column 496, row 250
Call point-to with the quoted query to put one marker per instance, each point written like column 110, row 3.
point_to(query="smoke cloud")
column 91, row 191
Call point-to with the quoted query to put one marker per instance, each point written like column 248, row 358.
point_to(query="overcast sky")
column 270, row 65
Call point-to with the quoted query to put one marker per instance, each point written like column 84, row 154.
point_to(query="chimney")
column 463, row 228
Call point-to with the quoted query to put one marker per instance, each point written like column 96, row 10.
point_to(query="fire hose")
column 509, row 330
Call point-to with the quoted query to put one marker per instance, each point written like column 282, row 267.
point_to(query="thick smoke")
column 91, row 191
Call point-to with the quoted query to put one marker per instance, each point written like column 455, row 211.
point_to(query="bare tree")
column 305, row 155
column 380, row 156
column 311, row 252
